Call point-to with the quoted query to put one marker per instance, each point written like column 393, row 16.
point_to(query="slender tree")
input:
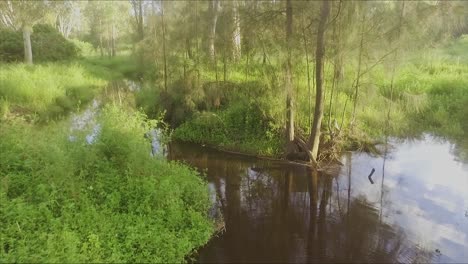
column 236, row 37
column 314, row 139
column 137, row 6
column 163, row 30
column 289, row 84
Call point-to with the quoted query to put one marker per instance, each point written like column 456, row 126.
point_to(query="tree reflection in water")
column 279, row 213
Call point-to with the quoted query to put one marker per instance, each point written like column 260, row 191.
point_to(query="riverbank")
column 91, row 191
column 245, row 112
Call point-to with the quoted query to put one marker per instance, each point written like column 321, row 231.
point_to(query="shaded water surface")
column 415, row 211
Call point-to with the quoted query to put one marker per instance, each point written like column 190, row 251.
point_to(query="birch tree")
column 213, row 7
column 67, row 16
column 236, row 37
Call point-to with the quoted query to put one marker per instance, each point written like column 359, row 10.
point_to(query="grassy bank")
column 63, row 201
column 45, row 91
column 69, row 201
column 49, row 91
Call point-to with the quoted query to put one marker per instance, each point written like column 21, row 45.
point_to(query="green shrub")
column 63, row 201
column 240, row 127
column 11, row 46
column 84, row 48
column 205, row 127
column 47, row 45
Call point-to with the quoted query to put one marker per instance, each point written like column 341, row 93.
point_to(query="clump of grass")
column 239, row 127
column 46, row 90
column 63, row 201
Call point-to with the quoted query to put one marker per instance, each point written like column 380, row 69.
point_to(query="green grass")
column 111, row 68
column 45, row 91
column 63, row 201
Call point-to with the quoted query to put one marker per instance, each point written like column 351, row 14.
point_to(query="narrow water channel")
column 416, row 209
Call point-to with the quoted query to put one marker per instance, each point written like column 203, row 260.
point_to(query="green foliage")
column 48, row 90
column 239, row 127
column 205, row 127
column 85, row 48
column 111, row 68
column 427, row 95
column 47, row 45
column 11, row 46
column 146, row 98
column 63, row 201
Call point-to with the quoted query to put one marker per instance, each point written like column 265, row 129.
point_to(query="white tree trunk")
column 27, row 45
column 211, row 46
column 236, row 38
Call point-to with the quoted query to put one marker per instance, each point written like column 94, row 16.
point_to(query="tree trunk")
column 304, row 38
column 113, row 40
column 164, row 45
column 314, row 139
column 338, row 69
column 109, row 50
column 188, row 46
column 100, row 39
column 27, row 45
column 224, row 62
column 141, row 33
column 289, row 85
column 236, row 37
column 211, row 48
column 358, row 76
column 137, row 6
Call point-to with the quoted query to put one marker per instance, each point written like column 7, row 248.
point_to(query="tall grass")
column 45, row 89
column 112, row 68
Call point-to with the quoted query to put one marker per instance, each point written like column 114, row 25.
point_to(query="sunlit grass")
column 38, row 88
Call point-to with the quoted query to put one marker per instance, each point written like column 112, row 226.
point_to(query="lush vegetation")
column 301, row 80
column 45, row 92
column 47, row 43
column 69, row 201
column 383, row 73
column 428, row 95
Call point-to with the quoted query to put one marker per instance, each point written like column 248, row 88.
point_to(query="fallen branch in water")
column 370, row 175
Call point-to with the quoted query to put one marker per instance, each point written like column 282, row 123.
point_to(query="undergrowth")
column 70, row 201
column 428, row 93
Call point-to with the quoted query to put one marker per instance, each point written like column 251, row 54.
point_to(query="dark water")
column 416, row 210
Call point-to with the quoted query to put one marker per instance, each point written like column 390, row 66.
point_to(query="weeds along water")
column 85, row 189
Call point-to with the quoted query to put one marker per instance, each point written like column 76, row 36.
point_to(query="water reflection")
column 276, row 213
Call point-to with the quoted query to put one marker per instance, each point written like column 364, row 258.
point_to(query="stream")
column 416, row 209
column 410, row 205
